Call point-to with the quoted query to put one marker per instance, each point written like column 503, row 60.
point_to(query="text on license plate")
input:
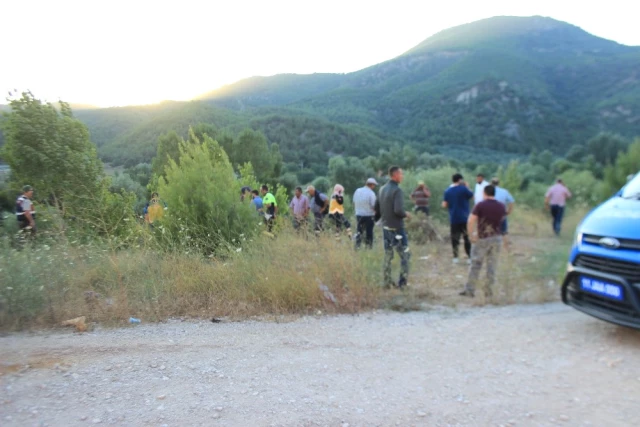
column 599, row 287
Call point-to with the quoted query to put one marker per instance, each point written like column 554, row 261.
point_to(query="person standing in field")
column 420, row 198
column 555, row 201
column 154, row 210
column 319, row 205
column 244, row 192
column 478, row 194
column 484, row 227
column 503, row 196
column 300, row 209
column 25, row 212
column 270, row 207
column 336, row 210
column 256, row 201
column 390, row 206
column 456, row 199
column 364, row 200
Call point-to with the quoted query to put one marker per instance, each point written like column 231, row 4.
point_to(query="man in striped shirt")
column 420, row 198
column 364, row 200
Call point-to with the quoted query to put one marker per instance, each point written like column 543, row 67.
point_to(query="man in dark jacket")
column 390, row 207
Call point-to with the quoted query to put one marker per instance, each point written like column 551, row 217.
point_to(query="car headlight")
column 577, row 239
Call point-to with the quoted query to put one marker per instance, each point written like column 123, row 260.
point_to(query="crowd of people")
column 478, row 217
column 484, row 229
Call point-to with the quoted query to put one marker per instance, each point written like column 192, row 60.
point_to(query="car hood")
column 617, row 217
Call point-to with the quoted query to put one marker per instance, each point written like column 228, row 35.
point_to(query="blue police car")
column 603, row 275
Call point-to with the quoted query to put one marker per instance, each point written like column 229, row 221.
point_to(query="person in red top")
column 487, row 216
column 420, row 198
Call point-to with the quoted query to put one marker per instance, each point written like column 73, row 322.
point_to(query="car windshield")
column 632, row 189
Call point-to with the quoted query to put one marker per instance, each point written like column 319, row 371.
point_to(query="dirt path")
column 533, row 365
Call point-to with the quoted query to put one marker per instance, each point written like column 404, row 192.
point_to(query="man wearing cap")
column 420, row 198
column 318, row 204
column 364, row 200
column 25, row 213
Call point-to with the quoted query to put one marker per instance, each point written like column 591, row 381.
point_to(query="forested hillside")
column 506, row 84
column 488, row 91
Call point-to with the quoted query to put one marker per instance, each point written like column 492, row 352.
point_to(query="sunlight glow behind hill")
column 123, row 53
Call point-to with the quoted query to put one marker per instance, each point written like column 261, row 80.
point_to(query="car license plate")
column 599, row 287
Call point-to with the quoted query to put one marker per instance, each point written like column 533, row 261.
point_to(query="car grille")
column 627, row 270
column 622, row 308
column 592, row 239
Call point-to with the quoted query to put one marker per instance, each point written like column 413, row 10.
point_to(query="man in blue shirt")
column 257, row 201
column 456, row 199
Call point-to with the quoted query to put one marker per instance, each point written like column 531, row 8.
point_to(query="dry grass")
column 529, row 272
column 272, row 277
column 279, row 276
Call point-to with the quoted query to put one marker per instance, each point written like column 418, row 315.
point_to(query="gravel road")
column 533, row 365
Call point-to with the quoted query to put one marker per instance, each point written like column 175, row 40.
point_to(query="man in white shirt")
column 364, row 200
column 478, row 193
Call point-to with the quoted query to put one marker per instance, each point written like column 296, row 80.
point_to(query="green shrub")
column 203, row 197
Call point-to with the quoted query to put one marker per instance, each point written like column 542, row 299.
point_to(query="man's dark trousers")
column 557, row 212
column 458, row 230
column 365, row 228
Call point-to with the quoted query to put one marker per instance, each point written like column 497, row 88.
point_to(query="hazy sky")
column 133, row 52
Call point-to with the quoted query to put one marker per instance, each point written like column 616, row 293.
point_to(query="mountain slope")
column 501, row 85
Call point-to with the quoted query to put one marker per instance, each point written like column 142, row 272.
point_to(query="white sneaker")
column 456, row 261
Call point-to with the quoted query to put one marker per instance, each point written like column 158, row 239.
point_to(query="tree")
column 168, row 149
column 511, row 179
column 48, row 148
column 252, row 147
column 350, row 172
column 605, row 147
column 627, row 163
column 203, row 195
column 576, row 153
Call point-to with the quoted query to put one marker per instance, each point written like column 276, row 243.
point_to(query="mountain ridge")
column 505, row 84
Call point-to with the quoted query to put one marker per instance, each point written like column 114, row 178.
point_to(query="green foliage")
column 511, row 178
column 350, row 172
column 109, row 215
column 252, row 147
column 48, row 148
column 282, row 199
column 205, row 213
column 585, row 187
column 615, row 176
column 322, row 184
column 605, row 147
column 141, row 173
column 168, row 149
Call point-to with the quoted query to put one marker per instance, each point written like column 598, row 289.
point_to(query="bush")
column 203, row 197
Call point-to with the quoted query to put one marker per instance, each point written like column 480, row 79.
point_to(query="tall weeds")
column 48, row 284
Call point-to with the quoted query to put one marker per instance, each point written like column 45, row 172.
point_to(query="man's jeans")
column 557, row 212
column 365, row 228
column 484, row 250
column 396, row 239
